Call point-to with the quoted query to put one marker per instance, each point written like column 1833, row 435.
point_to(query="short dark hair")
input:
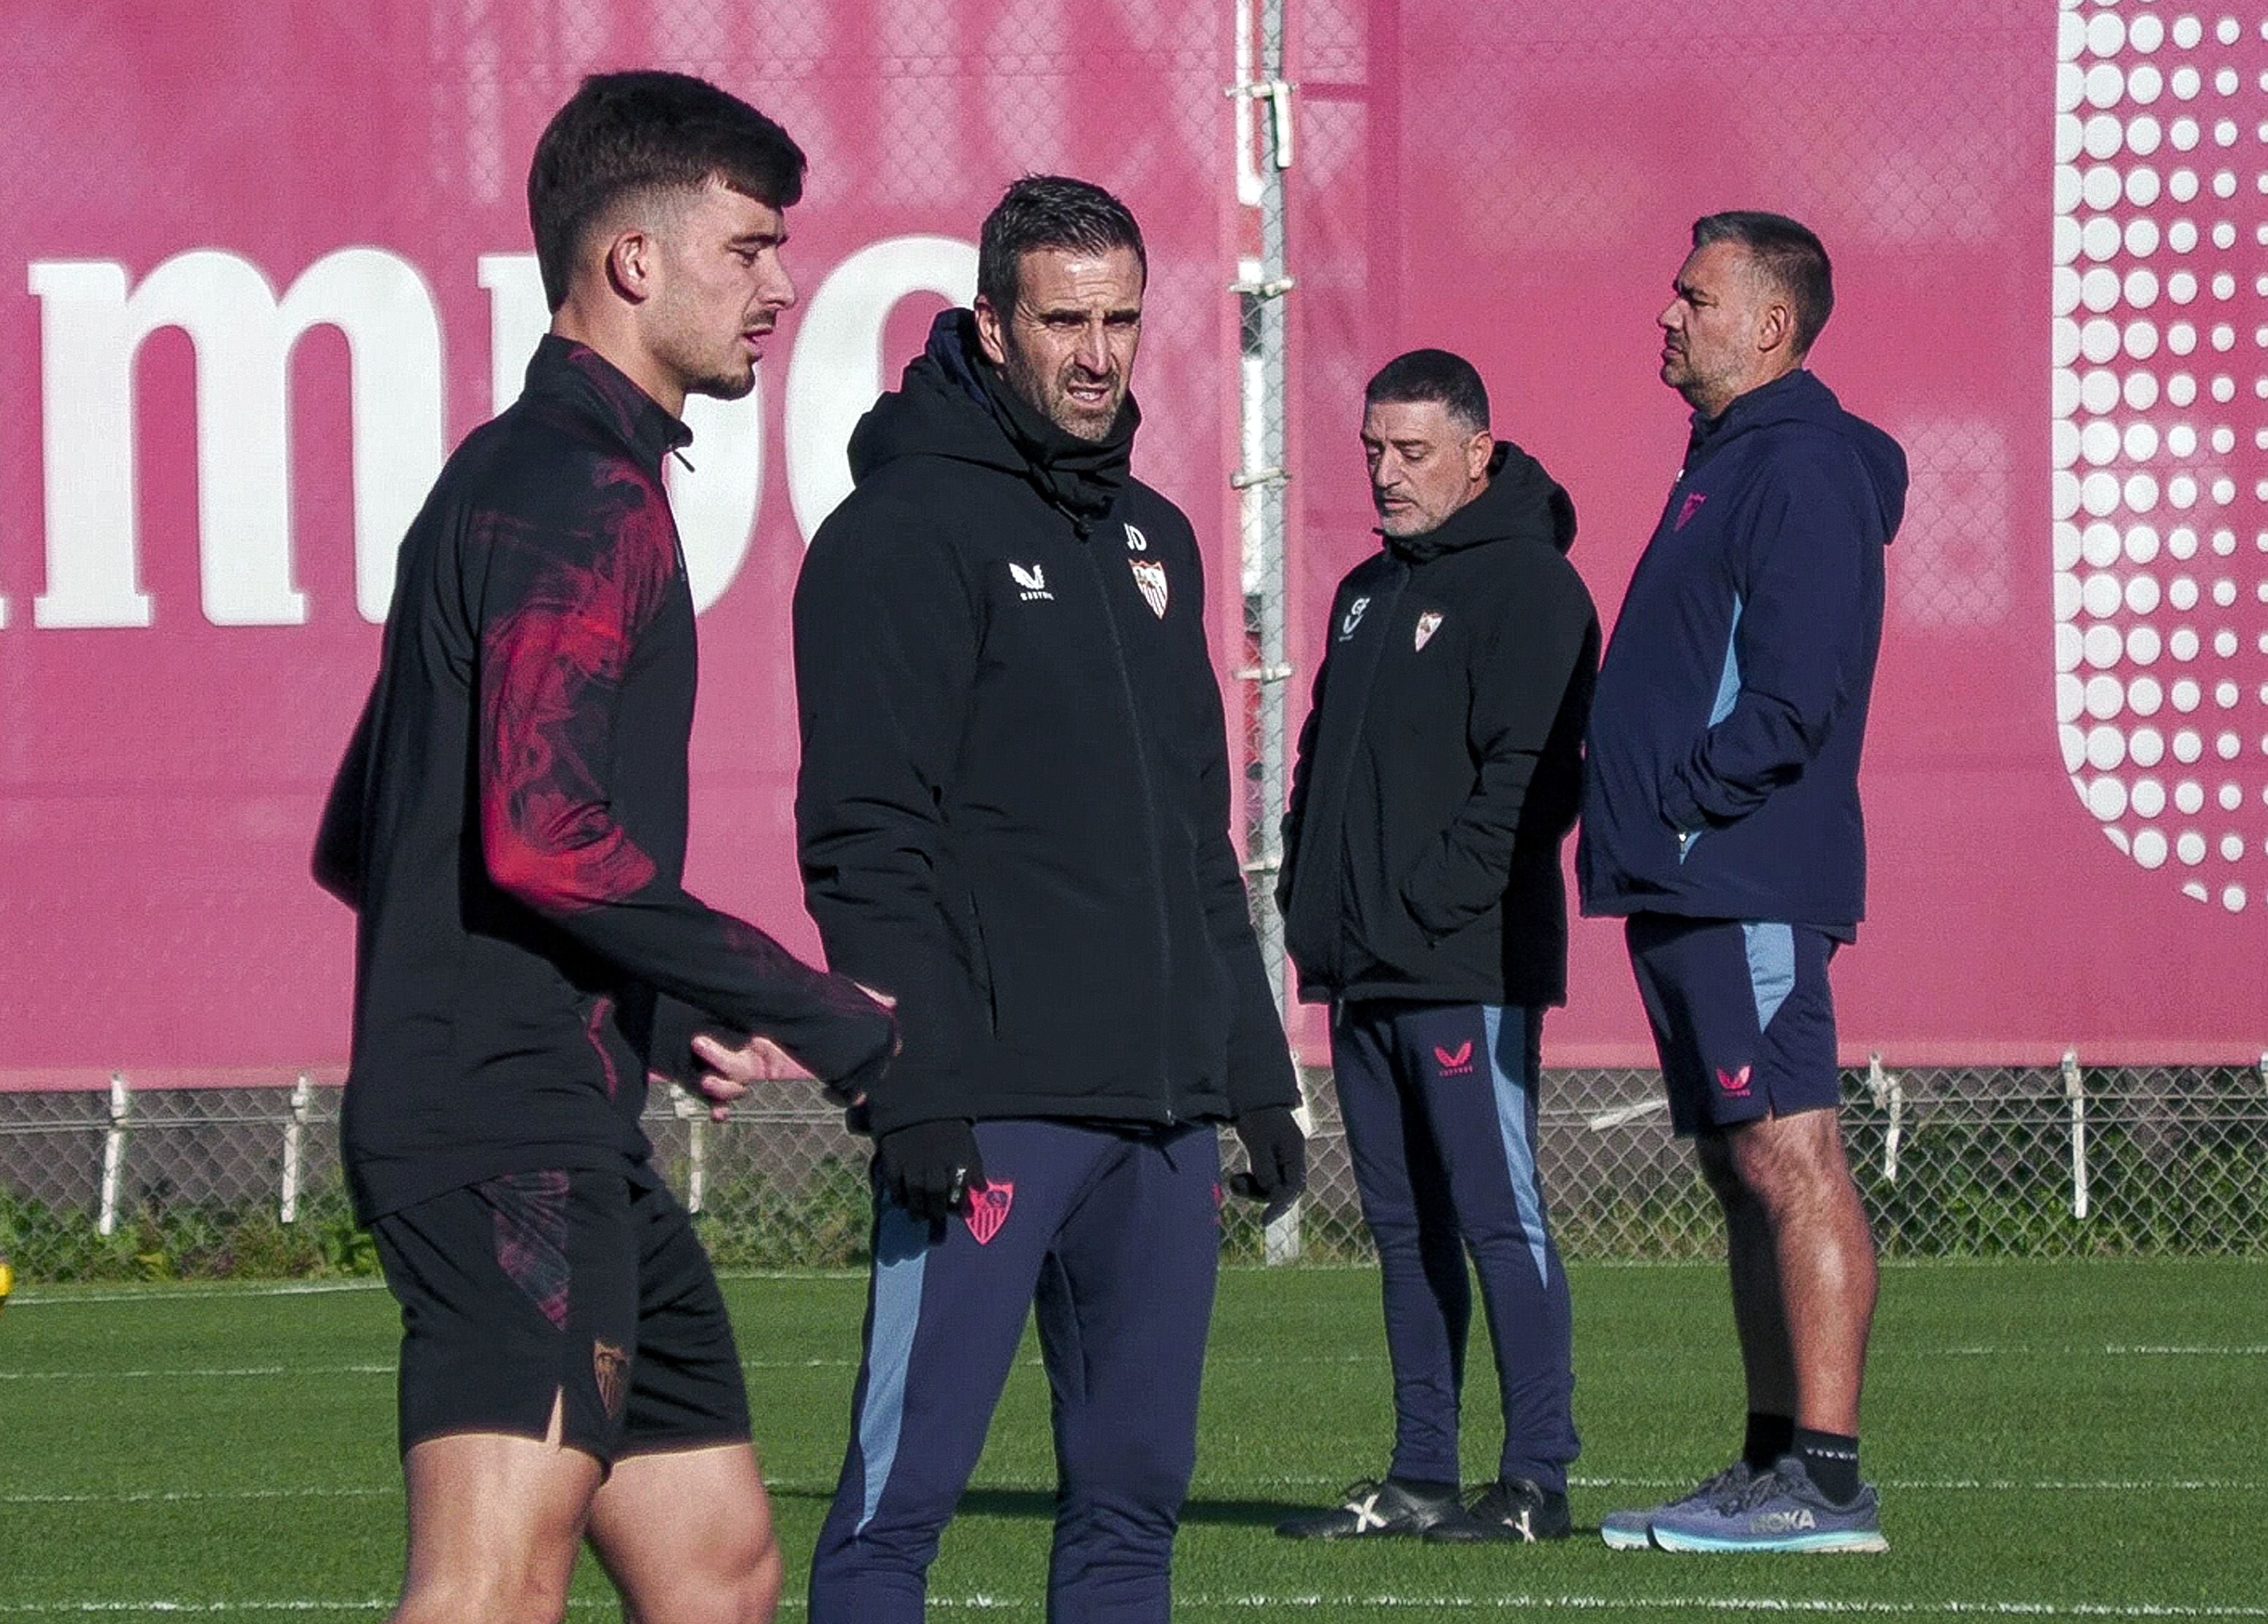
column 1789, row 252
column 1049, row 211
column 1432, row 375
column 626, row 133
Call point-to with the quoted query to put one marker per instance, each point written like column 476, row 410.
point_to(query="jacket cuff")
column 670, row 1052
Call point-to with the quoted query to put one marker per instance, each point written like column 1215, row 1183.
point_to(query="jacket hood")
column 939, row 409
column 1800, row 398
column 1521, row 503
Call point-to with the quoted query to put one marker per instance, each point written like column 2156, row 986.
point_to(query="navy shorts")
column 577, row 1289
column 1742, row 1015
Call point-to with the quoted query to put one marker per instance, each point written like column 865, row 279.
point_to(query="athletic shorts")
column 1741, row 1017
column 537, row 1289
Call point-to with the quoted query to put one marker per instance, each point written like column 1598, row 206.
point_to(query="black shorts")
column 578, row 1287
column 1742, row 1015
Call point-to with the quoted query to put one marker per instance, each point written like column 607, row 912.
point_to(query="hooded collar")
column 1791, row 394
column 579, row 378
column 1520, row 502
column 954, row 403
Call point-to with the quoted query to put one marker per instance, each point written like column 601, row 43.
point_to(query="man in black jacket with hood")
column 1013, row 817
column 1438, row 771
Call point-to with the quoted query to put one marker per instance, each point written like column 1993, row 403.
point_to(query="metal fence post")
column 1264, row 98
column 114, row 1153
column 2074, row 1088
column 1889, row 1091
column 295, row 1136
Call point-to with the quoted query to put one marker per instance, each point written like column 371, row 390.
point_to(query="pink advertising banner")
column 264, row 265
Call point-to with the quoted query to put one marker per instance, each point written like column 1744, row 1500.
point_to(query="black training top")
column 509, row 820
column 1014, row 802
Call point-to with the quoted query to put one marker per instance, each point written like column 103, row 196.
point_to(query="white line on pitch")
column 1310, row 1601
column 2122, row 1350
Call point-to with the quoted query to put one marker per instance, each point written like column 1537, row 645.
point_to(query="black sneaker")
column 1375, row 1510
column 1518, row 1510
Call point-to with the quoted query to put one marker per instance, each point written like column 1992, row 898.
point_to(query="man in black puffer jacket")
column 1013, row 817
column 1438, row 771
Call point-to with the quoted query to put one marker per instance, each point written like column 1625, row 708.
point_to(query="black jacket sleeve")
column 1259, row 1058
column 886, row 650
column 560, row 624
column 1295, row 810
column 338, row 865
column 1520, row 683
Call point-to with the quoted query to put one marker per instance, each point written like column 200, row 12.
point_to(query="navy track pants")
column 1114, row 1240
column 1439, row 1105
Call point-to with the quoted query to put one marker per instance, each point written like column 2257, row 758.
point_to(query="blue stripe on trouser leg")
column 1515, row 1099
column 1483, row 1111
column 1423, row 1285
column 901, row 1259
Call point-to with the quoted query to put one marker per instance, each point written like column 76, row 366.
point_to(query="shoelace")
column 1748, row 1495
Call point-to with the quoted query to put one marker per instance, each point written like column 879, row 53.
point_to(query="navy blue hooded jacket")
column 1723, row 752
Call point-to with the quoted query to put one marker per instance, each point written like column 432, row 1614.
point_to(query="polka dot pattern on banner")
column 2159, row 341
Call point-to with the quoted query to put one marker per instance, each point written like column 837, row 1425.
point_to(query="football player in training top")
column 510, row 826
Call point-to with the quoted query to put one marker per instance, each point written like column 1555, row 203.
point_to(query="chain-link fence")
column 2047, row 1161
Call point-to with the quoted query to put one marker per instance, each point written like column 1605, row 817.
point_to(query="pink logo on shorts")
column 1735, row 1083
column 1457, row 1061
column 988, row 1210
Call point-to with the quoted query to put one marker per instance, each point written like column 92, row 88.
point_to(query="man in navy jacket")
column 1439, row 773
column 1721, row 820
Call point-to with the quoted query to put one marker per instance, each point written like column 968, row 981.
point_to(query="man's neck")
column 617, row 345
column 1718, row 405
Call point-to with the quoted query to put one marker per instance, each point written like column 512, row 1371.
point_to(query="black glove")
column 928, row 1168
column 1277, row 1152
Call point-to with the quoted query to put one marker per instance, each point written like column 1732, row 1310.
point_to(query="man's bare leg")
column 494, row 1522
column 1824, row 1249
column 686, row 1537
column 1758, row 1316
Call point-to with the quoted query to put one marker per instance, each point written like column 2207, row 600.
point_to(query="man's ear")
column 1775, row 327
column 1479, row 447
column 990, row 334
column 633, row 262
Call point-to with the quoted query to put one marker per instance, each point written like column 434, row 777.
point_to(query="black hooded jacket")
column 1014, row 807
column 1442, row 764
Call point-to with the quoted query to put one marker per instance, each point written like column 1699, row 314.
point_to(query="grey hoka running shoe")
column 1633, row 1531
column 1781, row 1509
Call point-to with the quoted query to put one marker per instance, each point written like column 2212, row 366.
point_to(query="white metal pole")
column 2074, row 1088
column 1889, row 1091
column 697, row 1163
column 295, row 1135
column 114, row 1153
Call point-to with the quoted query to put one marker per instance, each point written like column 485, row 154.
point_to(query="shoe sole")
column 1627, row 1539
column 1855, row 1541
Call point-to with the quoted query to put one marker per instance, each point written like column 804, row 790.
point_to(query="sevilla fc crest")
column 1150, row 576
column 1428, row 623
column 988, row 1210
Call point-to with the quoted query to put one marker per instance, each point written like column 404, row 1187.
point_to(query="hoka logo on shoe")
column 1454, row 1063
column 1033, row 580
column 1782, row 1522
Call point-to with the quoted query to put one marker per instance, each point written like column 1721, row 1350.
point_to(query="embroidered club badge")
column 988, row 1210
column 1428, row 623
column 1150, row 576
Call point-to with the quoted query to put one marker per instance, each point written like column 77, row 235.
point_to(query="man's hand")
column 929, row 1168
column 1277, row 1152
column 731, row 1072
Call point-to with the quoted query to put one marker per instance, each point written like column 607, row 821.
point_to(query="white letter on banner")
column 244, row 337
column 838, row 370
column 716, row 507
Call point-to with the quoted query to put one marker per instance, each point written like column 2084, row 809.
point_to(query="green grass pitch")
column 2054, row 1440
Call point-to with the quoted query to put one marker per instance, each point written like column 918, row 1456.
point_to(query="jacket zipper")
column 1149, row 803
